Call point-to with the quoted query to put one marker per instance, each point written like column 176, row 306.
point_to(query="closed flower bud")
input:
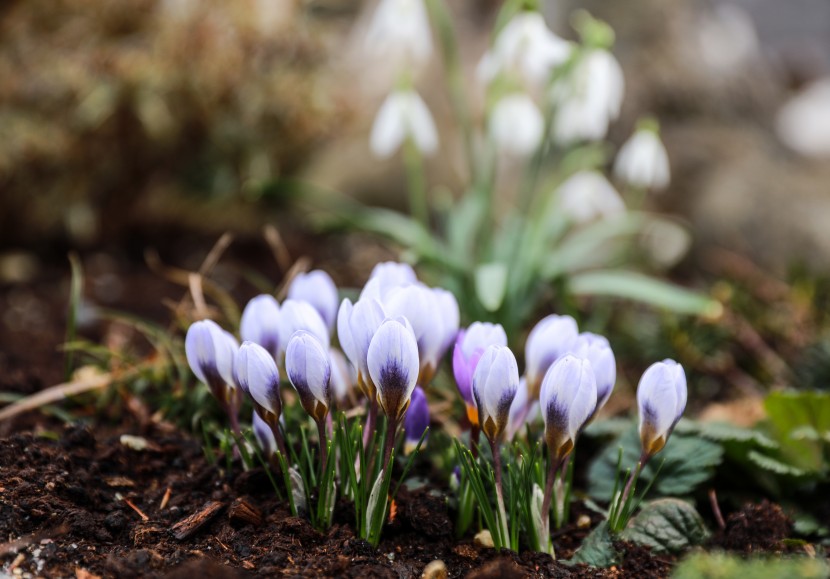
column 516, row 125
column 387, row 276
column 597, row 350
column 356, row 326
column 643, row 161
column 318, row 289
column 549, row 340
column 298, row 315
column 257, row 374
column 260, row 323
column 588, row 195
column 661, row 398
column 210, row 353
column 416, row 421
column 495, row 383
column 567, row 399
column 343, row 376
column 469, row 346
column 393, row 367
column 403, row 116
column 264, row 435
column 309, row 371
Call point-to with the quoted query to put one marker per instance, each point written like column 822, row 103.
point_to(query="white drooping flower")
column 643, row 161
column 588, row 98
column 803, row 123
column 516, row 125
column 587, row 195
column 403, row 115
column 399, row 30
column 526, row 45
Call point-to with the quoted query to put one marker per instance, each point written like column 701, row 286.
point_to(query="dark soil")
column 755, row 528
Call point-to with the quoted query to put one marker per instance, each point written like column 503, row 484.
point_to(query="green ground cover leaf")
column 597, row 549
column 667, row 526
column 723, row 566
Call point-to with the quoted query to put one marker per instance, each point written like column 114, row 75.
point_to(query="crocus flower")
column 264, row 435
column 309, row 371
column 469, row 346
column 257, row 375
column 643, row 161
column 519, row 409
column 317, row 288
column 403, row 115
column 393, row 367
column 587, row 195
column 356, row 326
column 387, row 276
column 343, row 375
column 567, row 399
column 416, row 420
column 260, row 323
column 298, row 315
column 588, row 98
column 399, row 30
column 525, row 45
column 597, row 351
column 661, row 397
column 210, row 352
column 516, row 125
column 495, row 382
column 549, row 339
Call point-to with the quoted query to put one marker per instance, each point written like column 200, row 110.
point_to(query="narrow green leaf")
column 491, row 284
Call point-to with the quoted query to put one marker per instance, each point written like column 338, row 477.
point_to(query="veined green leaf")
column 667, row 526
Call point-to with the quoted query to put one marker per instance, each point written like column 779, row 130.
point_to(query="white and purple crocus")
column 550, row 339
column 469, row 346
column 661, row 398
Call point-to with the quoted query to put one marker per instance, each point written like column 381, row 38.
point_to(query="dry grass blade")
column 278, row 248
column 303, row 264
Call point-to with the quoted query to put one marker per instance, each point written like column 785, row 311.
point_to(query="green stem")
column 502, row 531
column 418, row 204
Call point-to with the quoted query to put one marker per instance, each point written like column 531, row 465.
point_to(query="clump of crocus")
column 416, row 421
column 258, row 376
column 210, row 352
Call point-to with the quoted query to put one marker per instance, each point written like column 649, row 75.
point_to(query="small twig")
column 141, row 514
column 278, row 248
column 165, row 499
column 195, row 286
column 301, row 265
column 713, row 500
column 23, row 542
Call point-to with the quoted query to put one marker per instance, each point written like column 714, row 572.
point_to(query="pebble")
column 134, row 442
column 583, row 522
column 435, row 570
column 484, row 539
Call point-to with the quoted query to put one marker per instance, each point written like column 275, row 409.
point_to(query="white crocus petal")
column 551, row 338
column 400, row 30
column 527, row 45
column 367, row 316
column 260, row 323
column 643, row 161
column 309, row 371
column 588, row 98
column 344, row 331
column 298, row 315
column 495, row 383
column 393, row 366
column 450, row 315
column 587, row 195
column 317, row 288
column 257, row 375
column 518, row 410
column 568, row 398
column 597, row 350
column 264, row 435
column 480, row 335
column 210, row 352
column 403, row 115
column 803, row 123
column 343, row 375
column 516, row 125
column 387, row 276
column 661, row 398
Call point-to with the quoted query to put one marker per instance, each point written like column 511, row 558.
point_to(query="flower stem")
column 475, row 431
column 389, row 444
column 371, row 420
column 553, row 468
column 503, row 542
column 418, row 205
column 321, row 433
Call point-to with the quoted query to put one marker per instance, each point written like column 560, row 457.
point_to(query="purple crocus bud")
column 297, row 315
column 356, row 325
column 495, row 383
column 393, row 367
column 568, row 397
column 257, row 375
column 260, row 323
column 548, row 341
column 469, row 346
column 309, row 371
column 318, row 289
column 385, row 277
column 661, row 397
column 597, row 350
column 264, row 435
column 416, row 420
column 210, row 352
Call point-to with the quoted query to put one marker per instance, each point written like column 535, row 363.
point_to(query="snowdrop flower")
column 210, row 352
column 399, row 30
column 385, row 277
column 495, row 383
column 469, row 346
column 260, row 323
column 597, row 351
column 257, row 375
column 298, row 315
column 343, row 375
column 264, row 435
column 416, row 421
column 568, row 397
column 403, row 115
column 643, row 161
column 309, row 371
column 393, row 366
column 549, row 340
column 356, row 326
column 527, row 45
column 318, row 289
column 803, row 123
column 589, row 98
column 661, row 398
column 516, row 125
column 434, row 315
column 587, row 195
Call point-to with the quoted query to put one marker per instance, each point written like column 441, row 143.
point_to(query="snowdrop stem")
column 418, row 205
column 494, row 447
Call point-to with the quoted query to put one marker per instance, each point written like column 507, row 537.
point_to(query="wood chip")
column 119, row 481
column 243, row 511
column 190, row 525
column 165, row 499
column 81, row 573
